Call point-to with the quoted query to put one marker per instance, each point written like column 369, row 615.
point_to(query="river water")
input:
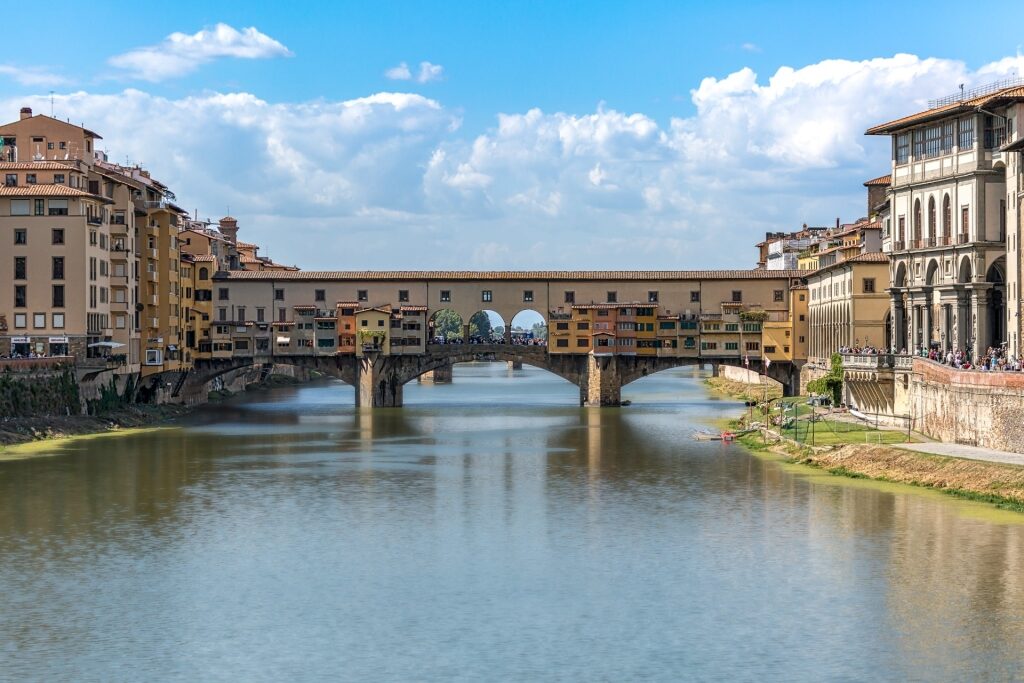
column 491, row 530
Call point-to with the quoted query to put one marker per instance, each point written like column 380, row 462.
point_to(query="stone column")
column 465, row 333
column 962, row 320
column 979, row 322
column 378, row 385
column 899, row 325
column 602, row 384
column 515, row 365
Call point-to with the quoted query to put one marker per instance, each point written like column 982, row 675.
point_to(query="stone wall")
column 976, row 408
column 809, row 373
column 738, row 374
column 39, row 391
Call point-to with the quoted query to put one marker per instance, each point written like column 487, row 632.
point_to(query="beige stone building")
column 955, row 265
column 848, row 306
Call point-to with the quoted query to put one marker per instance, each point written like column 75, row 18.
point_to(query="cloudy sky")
column 534, row 135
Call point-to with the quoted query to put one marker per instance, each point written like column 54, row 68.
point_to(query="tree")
column 447, row 324
column 831, row 383
column 540, row 331
column 480, row 325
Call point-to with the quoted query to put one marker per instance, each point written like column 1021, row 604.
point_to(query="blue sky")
column 540, row 135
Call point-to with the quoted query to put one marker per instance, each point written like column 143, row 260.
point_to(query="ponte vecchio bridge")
column 377, row 330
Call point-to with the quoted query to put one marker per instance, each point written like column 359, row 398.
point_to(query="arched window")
column 947, row 219
column 931, row 217
column 917, row 221
column 204, row 274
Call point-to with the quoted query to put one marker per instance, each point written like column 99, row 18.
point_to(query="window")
column 380, row 322
column 917, row 221
column 278, row 294
column 58, row 207
column 612, row 297
column 802, row 317
column 561, row 326
column 11, row 180
column 30, row 178
column 769, row 349
column 803, row 297
column 21, row 320
column 966, row 137
column 486, row 295
column 695, row 296
column 753, row 346
column 652, row 297
column 931, row 217
column 583, row 342
column 947, row 217
column 737, row 296
column 222, row 313
column 362, row 295
column 708, row 346
column 58, row 268
column 902, row 148
column 319, row 295
column 801, row 338
column 965, row 223
column 948, row 136
column 666, row 325
column 527, row 295
column 38, row 320
column 20, row 296
column 869, row 285
column 63, row 145
column 20, row 268
column 732, row 346
column 583, row 326
column 261, row 314
column 403, row 295
column 58, row 321
column 446, row 295
column 38, row 208
column 58, row 178
column 240, row 317
column 222, row 294
column 778, row 295
column 562, row 343
column 57, row 235
column 570, row 297
column 20, row 207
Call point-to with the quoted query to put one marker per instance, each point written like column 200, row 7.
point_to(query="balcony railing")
column 94, row 220
column 867, row 361
column 995, row 138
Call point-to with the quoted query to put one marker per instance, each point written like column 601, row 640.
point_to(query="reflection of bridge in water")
column 379, row 379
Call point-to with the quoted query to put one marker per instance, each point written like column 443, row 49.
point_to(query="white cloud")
column 181, row 53
column 31, row 75
column 389, row 181
column 428, row 72
column 399, row 73
column 750, row 47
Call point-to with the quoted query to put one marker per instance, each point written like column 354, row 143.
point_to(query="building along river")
column 491, row 530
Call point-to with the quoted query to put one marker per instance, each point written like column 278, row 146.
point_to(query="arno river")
column 491, row 530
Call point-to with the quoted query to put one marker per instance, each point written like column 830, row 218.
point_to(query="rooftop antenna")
column 961, row 91
column 51, row 104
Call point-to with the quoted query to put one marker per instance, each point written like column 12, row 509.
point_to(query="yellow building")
column 373, row 331
column 848, row 306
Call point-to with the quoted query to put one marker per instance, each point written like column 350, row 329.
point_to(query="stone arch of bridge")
column 570, row 367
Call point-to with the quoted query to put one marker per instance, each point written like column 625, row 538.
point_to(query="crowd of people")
column 517, row 340
column 995, row 359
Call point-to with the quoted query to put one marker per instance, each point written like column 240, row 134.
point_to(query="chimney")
column 837, row 223
column 26, row 113
column 229, row 228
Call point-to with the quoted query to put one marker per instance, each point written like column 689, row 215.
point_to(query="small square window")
column 403, row 296
column 58, row 321
column 695, row 296
column 39, row 320
column 737, row 296
column 778, row 295
column 486, row 295
column 380, row 323
column 57, row 235
column 362, row 295
column 20, row 236
column 527, row 295
column 570, row 297
column 869, row 285
column 320, row 295
column 222, row 294
column 278, row 294
column 612, row 297
column 446, row 295
column 652, row 297
column 21, row 320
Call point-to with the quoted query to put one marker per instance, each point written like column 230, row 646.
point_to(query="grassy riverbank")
column 743, row 391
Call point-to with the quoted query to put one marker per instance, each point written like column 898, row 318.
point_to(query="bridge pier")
column 441, row 375
column 515, row 365
column 602, row 383
column 379, row 384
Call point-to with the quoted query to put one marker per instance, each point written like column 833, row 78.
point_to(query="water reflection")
column 490, row 530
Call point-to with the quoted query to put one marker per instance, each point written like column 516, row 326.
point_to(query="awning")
column 172, row 347
column 284, row 340
column 105, row 344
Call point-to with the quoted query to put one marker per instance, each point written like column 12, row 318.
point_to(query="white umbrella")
column 106, row 344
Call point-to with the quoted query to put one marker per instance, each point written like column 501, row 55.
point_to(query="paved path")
column 956, row 450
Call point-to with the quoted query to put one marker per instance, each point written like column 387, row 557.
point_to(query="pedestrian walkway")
column 955, row 450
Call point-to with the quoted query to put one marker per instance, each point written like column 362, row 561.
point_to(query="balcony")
column 94, row 220
column 151, row 276
column 154, row 323
column 154, row 254
column 154, row 300
column 158, row 205
column 118, row 280
column 119, row 306
column 868, row 361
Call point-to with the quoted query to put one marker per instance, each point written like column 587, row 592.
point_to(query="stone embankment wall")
column 744, row 376
column 29, row 391
column 809, row 373
column 977, row 408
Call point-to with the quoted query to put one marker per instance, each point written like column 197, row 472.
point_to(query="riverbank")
column 743, row 391
column 23, row 430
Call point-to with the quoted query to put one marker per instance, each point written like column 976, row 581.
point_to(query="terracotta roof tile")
column 204, row 257
column 34, row 166
column 46, row 191
column 516, row 275
column 880, row 180
column 1014, row 92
